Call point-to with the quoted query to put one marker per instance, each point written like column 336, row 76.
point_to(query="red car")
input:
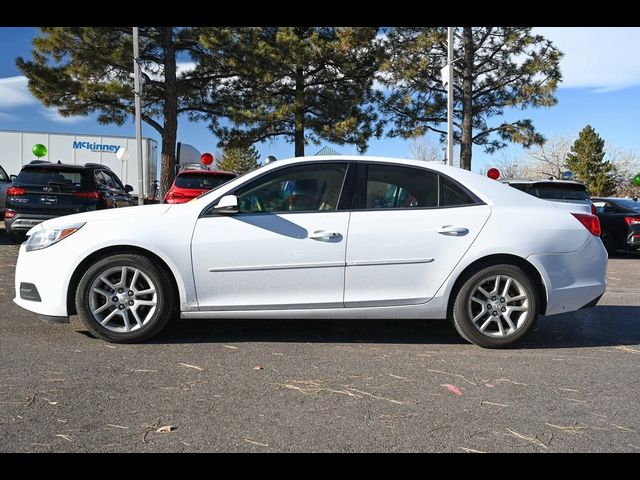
column 191, row 183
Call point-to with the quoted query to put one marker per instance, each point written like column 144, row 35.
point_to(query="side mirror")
column 13, row 177
column 227, row 204
column 128, row 188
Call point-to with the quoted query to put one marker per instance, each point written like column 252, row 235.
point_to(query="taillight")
column 593, row 209
column 9, row 213
column 631, row 220
column 93, row 195
column 16, row 191
column 590, row 222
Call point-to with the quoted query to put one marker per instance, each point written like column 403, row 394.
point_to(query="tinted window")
column 202, row 181
column 314, row 187
column 45, row 176
column 453, row 195
column 520, row 186
column 633, row 205
column 3, row 175
column 400, row 187
column 112, row 179
column 560, row 192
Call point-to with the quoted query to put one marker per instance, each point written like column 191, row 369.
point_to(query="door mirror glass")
column 128, row 188
column 227, row 204
column 13, row 177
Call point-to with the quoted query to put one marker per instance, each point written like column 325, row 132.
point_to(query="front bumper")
column 573, row 280
column 49, row 270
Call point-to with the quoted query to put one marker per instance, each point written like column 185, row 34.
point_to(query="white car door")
column 285, row 248
column 409, row 230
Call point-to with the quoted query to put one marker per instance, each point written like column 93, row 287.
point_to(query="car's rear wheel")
column 496, row 306
column 125, row 298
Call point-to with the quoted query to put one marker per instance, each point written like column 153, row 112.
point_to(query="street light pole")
column 450, row 96
column 138, row 121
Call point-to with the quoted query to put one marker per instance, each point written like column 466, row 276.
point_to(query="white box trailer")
column 16, row 151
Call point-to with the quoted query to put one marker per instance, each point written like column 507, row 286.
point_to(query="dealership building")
column 16, row 151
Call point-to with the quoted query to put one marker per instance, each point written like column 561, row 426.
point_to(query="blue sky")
column 601, row 70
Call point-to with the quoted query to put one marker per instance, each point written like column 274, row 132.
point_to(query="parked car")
column 44, row 190
column 572, row 196
column 5, row 183
column 620, row 223
column 465, row 248
column 191, row 183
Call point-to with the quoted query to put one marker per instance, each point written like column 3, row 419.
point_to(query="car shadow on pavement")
column 605, row 325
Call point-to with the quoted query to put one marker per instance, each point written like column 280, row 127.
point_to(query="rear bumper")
column 573, row 280
column 25, row 221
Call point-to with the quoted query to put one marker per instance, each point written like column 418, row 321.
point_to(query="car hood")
column 124, row 214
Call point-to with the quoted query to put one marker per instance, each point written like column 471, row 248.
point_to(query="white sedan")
column 321, row 237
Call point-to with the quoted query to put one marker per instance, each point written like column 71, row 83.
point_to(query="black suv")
column 45, row 190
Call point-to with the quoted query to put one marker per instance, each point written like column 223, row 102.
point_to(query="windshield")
column 628, row 203
column 46, row 176
column 202, row 182
column 561, row 192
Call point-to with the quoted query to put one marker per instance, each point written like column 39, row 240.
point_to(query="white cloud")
column 53, row 115
column 14, row 92
column 599, row 58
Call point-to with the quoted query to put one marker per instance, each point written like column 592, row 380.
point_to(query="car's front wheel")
column 496, row 306
column 125, row 298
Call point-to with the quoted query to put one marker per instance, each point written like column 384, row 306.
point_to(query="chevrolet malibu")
column 321, row 237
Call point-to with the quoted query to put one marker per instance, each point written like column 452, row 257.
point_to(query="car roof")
column 207, row 172
column 63, row 166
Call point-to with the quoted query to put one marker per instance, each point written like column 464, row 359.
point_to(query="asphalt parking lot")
column 324, row 386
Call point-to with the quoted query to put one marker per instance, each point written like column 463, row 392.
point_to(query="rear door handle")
column 321, row 235
column 452, row 231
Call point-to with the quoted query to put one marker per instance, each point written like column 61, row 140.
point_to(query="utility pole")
column 138, row 93
column 450, row 96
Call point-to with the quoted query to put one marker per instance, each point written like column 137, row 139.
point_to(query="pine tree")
column 304, row 84
column 239, row 159
column 495, row 68
column 84, row 70
column 586, row 161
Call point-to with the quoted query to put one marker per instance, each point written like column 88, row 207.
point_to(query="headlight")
column 48, row 236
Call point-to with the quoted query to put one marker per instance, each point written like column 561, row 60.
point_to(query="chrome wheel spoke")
column 517, row 298
column 483, row 292
column 107, row 283
column 479, row 316
column 151, row 303
column 507, row 317
column 106, row 319
column 136, row 317
column 496, row 286
column 125, row 317
column 101, row 309
column 507, row 284
column 146, row 292
column 132, row 285
column 102, row 292
column 486, row 324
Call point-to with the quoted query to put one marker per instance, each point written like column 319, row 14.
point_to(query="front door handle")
column 453, row 231
column 324, row 236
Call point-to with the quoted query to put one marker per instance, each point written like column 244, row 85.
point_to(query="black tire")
column 461, row 317
column 166, row 307
column 16, row 237
column 608, row 243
